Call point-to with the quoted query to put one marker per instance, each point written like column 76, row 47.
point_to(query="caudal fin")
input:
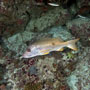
column 71, row 44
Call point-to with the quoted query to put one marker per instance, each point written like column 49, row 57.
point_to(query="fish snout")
column 29, row 54
column 26, row 55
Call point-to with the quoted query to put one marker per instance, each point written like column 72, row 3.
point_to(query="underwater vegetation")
column 70, row 55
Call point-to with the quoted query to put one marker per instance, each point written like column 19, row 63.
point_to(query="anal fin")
column 61, row 49
column 46, row 53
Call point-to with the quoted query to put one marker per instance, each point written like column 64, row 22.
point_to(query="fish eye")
column 29, row 50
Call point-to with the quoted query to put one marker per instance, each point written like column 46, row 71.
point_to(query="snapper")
column 45, row 46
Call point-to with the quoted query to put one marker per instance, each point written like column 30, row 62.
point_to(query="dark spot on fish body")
column 53, row 43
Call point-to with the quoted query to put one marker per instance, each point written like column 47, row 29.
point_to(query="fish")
column 45, row 46
column 45, row 2
column 83, row 12
column 53, row 4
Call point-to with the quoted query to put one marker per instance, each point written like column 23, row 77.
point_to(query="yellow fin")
column 46, row 53
column 60, row 49
column 71, row 44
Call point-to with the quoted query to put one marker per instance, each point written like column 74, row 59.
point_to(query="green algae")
column 70, row 55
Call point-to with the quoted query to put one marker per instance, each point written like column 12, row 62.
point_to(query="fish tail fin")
column 71, row 44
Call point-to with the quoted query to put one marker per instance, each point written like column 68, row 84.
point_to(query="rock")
column 57, row 15
column 61, row 32
column 80, row 78
column 80, row 28
column 16, row 43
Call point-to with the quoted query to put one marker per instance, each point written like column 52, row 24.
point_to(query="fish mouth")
column 31, row 54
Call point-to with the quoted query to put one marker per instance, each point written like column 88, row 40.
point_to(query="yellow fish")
column 45, row 46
